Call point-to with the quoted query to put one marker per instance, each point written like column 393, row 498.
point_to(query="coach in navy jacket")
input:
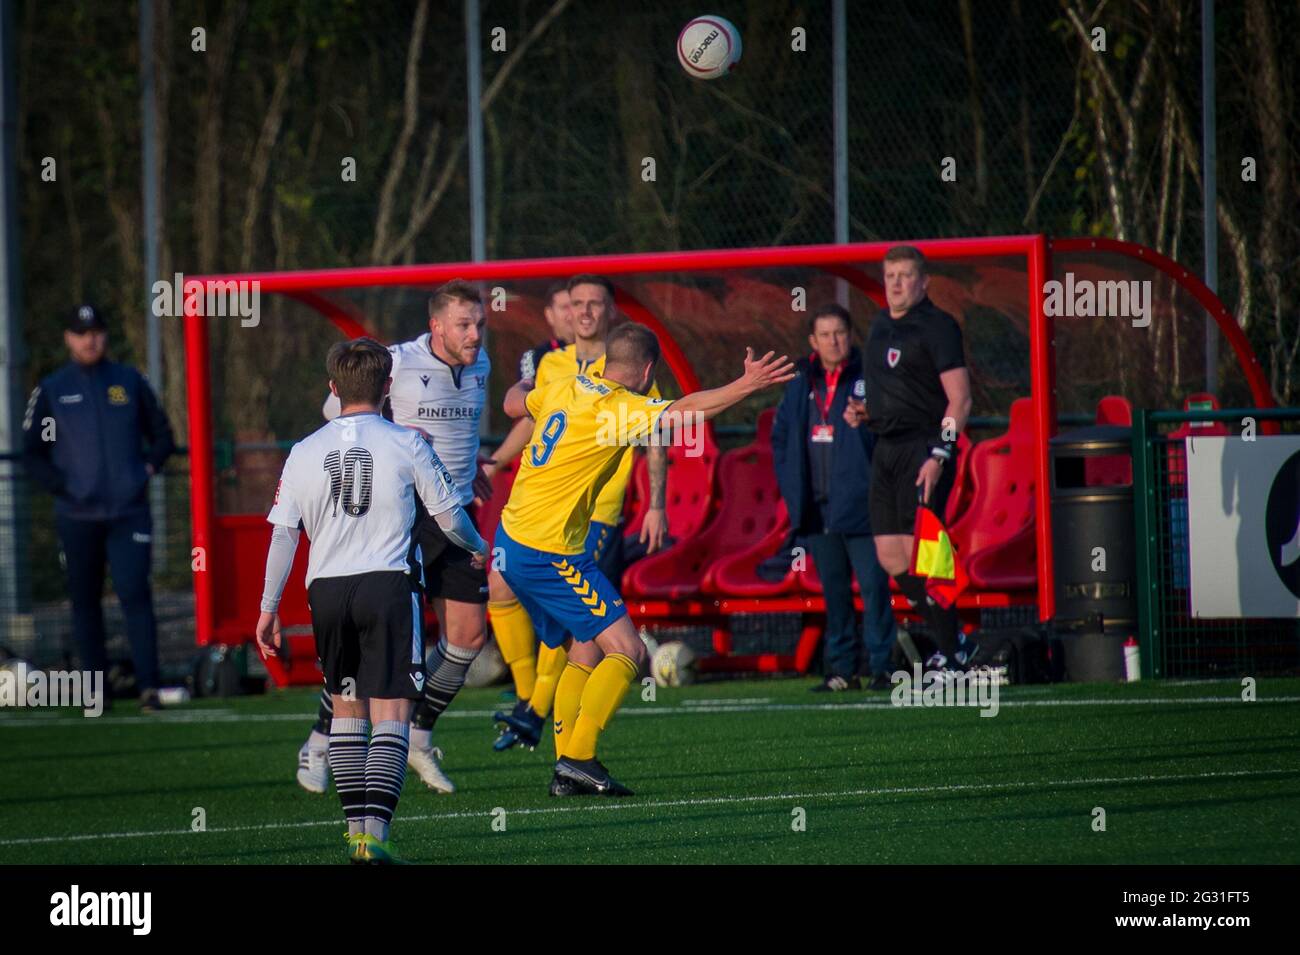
column 93, row 435
column 823, row 468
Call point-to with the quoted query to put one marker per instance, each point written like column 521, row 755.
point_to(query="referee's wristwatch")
column 942, row 452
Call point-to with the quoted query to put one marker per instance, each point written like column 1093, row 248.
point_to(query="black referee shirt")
column 904, row 358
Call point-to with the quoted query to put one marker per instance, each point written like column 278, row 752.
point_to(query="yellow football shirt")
column 583, row 431
column 564, row 363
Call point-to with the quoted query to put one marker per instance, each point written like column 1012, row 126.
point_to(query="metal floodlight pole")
column 474, row 77
column 840, row 122
column 1209, row 181
column 477, row 205
column 15, row 595
column 153, row 324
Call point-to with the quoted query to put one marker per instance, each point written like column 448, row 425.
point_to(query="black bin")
column 1096, row 590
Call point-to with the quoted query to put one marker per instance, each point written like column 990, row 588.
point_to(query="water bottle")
column 1132, row 661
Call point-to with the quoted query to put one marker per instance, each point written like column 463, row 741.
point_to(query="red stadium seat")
column 995, row 535
column 751, row 520
column 1175, row 455
column 959, row 496
column 1115, row 469
column 1114, row 409
column 675, row 572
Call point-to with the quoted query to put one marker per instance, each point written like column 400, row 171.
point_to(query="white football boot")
column 425, row 763
column 314, row 768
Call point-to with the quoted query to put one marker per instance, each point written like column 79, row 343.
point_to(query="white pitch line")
column 185, row 717
column 619, row 805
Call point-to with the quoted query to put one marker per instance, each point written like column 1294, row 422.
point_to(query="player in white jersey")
column 352, row 486
column 439, row 390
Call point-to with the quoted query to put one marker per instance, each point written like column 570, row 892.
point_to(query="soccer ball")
column 708, row 47
column 488, row 667
column 673, row 664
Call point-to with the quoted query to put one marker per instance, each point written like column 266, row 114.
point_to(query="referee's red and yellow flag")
column 934, row 559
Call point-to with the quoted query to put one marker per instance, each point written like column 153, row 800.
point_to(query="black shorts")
column 447, row 569
column 894, row 466
column 368, row 630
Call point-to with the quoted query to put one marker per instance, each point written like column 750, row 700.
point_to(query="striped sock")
column 349, row 741
column 385, row 774
column 324, row 713
column 446, row 675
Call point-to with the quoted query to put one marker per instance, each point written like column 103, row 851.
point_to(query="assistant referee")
column 918, row 400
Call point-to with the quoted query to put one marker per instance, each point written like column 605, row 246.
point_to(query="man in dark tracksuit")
column 918, row 401
column 84, row 436
column 823, row 468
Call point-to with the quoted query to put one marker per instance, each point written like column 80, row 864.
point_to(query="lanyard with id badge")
column 824, row 433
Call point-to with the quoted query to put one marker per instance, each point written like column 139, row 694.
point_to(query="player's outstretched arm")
column 515, row 405
column 760, row 373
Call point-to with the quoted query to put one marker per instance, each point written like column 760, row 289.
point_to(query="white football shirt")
column 446, row 401
column 352, row 485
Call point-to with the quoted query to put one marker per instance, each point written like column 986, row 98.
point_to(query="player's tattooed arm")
column 515, row 442
column 515, row 398
column 654, row 527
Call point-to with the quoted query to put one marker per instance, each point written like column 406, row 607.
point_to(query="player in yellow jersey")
column 536, row 670
column 583, row 428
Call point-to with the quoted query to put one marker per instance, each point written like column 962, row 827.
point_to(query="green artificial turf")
column 1185, row 773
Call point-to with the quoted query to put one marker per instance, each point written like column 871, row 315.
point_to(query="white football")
column 673, row 664
column 488, row 667
column 708, row 47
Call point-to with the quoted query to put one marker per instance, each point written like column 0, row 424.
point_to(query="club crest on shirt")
column 892, row 357
column 117, row 395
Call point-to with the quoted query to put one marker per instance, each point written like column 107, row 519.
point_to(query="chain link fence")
column 1175, row 643
column 35, row 613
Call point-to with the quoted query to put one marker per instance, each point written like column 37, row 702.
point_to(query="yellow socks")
column 568, row 700
column 514, row 633
column 550, row 664
column 601, row 698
